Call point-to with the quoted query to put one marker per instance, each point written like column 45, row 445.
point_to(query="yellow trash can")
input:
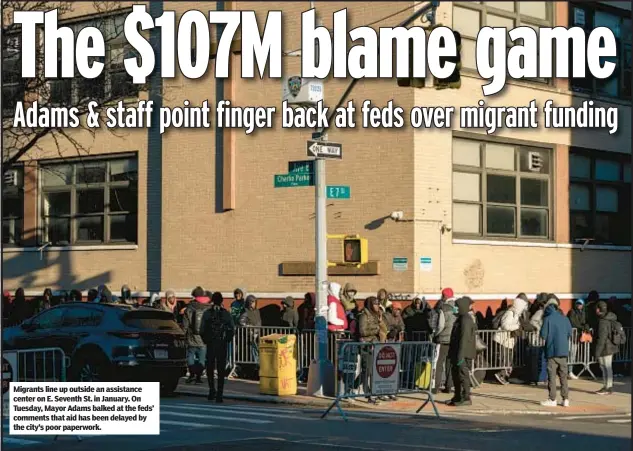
column 278, row 365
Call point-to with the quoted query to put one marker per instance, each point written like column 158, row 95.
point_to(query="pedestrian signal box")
column 355, row 250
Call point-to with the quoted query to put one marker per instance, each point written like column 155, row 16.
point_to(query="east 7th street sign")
column 320, row 149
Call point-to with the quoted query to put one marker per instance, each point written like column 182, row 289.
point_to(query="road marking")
column 245, row 412
column 19, row 441
column 182, row 423
column 589, row 417
column 215, row 417
column 237, row 407
column 620, row 421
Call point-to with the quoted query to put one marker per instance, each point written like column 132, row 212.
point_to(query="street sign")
column 325, row 150
column 385, row 369
column 301, row 167
column 338, row 192
column 9, row 374
column 293, row 180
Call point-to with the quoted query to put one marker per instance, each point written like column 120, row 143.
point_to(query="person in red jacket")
column 336, row 318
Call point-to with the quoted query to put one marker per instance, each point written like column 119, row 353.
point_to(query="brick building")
column 199, row 207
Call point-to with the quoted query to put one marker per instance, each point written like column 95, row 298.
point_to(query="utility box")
column 301, row 91
column 278, row 365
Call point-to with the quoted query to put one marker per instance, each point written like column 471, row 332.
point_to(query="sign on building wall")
column 426, row 264
column 400, row 264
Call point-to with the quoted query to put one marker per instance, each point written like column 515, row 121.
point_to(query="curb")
column 263, row 399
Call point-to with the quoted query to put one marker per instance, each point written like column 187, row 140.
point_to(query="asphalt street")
column 192, row 423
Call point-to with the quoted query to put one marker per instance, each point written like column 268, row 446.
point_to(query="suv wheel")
column 90, row 369
column 168, row 385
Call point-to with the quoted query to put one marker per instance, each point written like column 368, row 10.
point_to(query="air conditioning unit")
column 10, row 178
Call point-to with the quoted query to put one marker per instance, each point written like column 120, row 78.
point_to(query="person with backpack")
column 606, row 346
column 508, row 324
column 191, row 324
column 217, row 332
column 556, row 332
column 447, row 316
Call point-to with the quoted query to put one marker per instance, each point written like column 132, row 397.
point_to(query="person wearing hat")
column 289, row 316
column 168, row 303
column 578, row 319
column 462, row 351
column 605, row 348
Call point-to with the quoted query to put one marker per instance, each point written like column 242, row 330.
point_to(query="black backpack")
column 216, row 327
column 196, row 319
column 618, row 336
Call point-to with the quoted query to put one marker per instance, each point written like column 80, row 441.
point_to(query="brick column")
column 561, row 190
column 561, row 19
column 29, row 233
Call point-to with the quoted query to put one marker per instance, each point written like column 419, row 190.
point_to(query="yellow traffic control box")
column 278, row 365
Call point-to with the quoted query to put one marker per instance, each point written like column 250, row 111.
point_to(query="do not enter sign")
column 386, row 369
column 7, row 375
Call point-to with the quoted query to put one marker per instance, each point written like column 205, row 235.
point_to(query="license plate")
column 160, row 353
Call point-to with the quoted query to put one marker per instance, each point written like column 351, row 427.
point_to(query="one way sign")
column 320, row 149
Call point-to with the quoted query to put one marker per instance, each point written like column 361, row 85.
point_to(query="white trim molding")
column 594, row 247
column 111, row 247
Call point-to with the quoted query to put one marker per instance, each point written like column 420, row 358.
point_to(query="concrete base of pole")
column 321, row 378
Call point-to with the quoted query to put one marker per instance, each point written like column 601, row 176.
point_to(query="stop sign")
column 7, row 375
column 386, row 362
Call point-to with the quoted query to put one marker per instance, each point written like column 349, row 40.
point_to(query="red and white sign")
column 386, row 369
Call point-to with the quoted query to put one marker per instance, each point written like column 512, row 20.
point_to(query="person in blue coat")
column 556, row 332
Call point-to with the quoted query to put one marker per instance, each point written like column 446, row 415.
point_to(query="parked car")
column 107, row 342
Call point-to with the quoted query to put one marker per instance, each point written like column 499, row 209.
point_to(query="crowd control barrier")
column 33, row 365
column 384, row 369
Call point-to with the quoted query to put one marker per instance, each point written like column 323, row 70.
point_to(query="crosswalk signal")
column 454, row 80
column 410, row 82
column 355, row 250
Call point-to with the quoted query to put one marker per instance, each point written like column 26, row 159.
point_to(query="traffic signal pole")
column 321, row 373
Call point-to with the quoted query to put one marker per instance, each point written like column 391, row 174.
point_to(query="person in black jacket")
column 605, row 348
column 216, row 332
column 578, row 319
column 191, row 324
column 462, row 351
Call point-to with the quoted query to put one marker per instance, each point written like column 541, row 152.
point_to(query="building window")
column 90, row 201
column 114, row 83
column 470, row 17
column 13, row 86
column 501, row 190
column 12, row 207
column 589, row 17
column 600, row 197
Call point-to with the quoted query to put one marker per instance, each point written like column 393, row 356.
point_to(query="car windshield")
column 150, row 319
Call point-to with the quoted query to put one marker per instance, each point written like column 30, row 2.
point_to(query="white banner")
column 386, row 369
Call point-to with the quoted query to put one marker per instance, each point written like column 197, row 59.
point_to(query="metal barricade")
column 417, row 335
column 624, row 353
column 355, row 366
column 245, row 346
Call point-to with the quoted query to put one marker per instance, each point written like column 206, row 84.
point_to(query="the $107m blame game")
column 83, row 408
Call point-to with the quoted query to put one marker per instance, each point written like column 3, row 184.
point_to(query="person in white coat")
column 336, row 317
column 510, row 324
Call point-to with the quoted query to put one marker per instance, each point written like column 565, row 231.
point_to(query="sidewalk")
column 487, row 399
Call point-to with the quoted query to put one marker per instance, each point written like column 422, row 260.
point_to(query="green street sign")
column 338, row 192
column 292, row 180
column 302, row 167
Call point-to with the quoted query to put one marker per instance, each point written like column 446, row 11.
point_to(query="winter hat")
column 448, row 293
column 522, row 296
column 216, row 298
column 602, row 307
column 580, row 301
column 170, row 294
column 396, row 306
column 593, row 296
column 288, row 301
column 197, row 292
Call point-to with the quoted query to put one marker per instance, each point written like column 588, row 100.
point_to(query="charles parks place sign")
column 386, row 369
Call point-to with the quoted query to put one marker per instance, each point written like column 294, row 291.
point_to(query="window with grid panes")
column 113, row 83
column 470, row 17
column 12, row 206
column 600, row 197
column 500, row 191
column 589, row 17
column 13, row 87
column 92, row 201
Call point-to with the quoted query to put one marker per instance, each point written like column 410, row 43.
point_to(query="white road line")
column 18, row 441
column 236, row 407
column 188, row 424
column 297, row 415
column 620, row 421
column 589, row 417
column 215, row 417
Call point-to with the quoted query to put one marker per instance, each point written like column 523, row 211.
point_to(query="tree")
column 112, row 86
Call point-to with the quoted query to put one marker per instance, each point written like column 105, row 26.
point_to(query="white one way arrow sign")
column 325, row 150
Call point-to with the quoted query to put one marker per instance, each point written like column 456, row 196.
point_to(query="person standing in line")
column 371, row 329
column 578, row 319
column 605, row 348
column 509, row 324
column 216, row 332
column 462, row 351
column 191, row 324
column 556, row 332
column 289, row 316
column 168, row 303
column 237, row 306
column 442, row 338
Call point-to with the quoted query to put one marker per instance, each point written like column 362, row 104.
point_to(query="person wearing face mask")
column 216, row 332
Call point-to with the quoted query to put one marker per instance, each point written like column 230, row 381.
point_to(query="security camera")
column 448, row 227
column 397, row 215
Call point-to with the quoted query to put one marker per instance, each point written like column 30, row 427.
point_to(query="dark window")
column 13, row 85
column 49, row 319
column 600, row 197
column 12, row 207
column 90, row 202
column 591, row 15
column 149, row 319
column 81, row 317
column 492, row 198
